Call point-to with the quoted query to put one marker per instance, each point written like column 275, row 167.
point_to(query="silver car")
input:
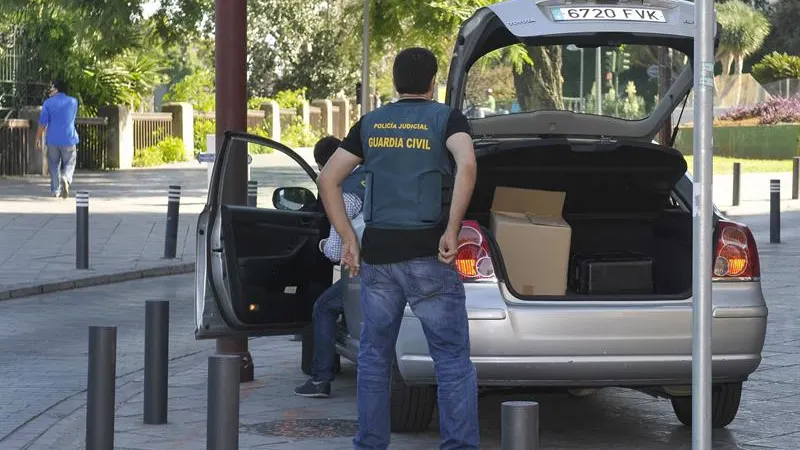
column 259, row 269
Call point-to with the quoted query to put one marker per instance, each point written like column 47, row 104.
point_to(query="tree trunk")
column 727, row 64
column 739, row 64
column 541, row 86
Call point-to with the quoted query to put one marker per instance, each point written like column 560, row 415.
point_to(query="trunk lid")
column 574, row 24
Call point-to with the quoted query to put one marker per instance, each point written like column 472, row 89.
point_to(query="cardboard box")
column 534, row 238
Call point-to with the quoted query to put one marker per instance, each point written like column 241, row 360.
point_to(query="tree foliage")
column 743, row 32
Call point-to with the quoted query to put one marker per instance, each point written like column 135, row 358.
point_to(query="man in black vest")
column 413, row 207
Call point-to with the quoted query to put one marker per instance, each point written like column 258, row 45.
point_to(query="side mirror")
column 293, row 199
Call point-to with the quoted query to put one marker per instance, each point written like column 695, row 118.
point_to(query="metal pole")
column 365, row 103
column 598, row 81
column 583, row 106
column 774, row 211
column 664, row 83
column 252, row 193
column 223, row 403
column 795, row 178
column 703, row 224
column 231, row 113
column 101, row 385
column 173, row 208
column 156, row 361
column 519, row 426
column 82, row 237
column 737, row 178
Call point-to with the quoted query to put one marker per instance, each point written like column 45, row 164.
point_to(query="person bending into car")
column 414, row 204
column 330, row 304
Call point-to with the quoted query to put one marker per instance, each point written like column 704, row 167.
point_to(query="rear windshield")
column 522, row 79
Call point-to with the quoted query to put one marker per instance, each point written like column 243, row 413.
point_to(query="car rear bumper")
column 553, row 343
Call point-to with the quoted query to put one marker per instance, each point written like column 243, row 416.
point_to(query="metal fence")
column 788, row 87
column 14, row 135
column 150, row 128
column 93, row 146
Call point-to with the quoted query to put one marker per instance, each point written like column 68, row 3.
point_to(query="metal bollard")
column 223, row 403
column 252, row 193
column 100, row 393
column 156, row 361
column 519, row 426
column 82, row 237
column 774, row 211
column 795, row 178
column 173, row 207
column 737, row 178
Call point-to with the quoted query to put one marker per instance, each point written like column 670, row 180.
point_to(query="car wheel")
column 307, row 353
column 411, row 406
column 725, row 400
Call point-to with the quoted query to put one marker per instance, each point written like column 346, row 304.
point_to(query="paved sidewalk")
column 272, row 418
column 126, row 228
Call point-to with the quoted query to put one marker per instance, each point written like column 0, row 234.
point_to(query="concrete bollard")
column 737, row 179
column 82, row 224
column 223, row 403
column 156, row 361
column 519, row 426
column 173, row 209
column 775, row 211
column 101, row 388
column 252, row 193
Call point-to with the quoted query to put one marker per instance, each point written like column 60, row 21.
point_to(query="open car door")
column 259, row 268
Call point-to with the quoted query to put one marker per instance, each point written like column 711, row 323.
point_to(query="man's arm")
column 44, row 119
column 460, row 145
column 338, row 167
column 333, row 245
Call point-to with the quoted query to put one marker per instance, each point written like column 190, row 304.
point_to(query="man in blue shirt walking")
column 58, row 119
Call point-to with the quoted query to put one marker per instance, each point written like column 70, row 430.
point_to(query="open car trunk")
column 619, row 200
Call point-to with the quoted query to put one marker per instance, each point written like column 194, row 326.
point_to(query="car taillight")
column 473, row 260
column 736, row 255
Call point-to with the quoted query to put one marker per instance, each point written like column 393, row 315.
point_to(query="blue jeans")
column 60, row 161
column 326, row 310
column 436, row 296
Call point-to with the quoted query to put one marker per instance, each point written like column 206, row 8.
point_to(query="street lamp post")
column 365, row 100
column 574, row 48
column 598, row 81
column 704, row 19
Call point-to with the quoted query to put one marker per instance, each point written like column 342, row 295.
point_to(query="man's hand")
column 448, row 247
column 351, row 256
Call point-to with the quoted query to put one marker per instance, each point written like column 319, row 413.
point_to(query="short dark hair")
column 61, row 85
column 324, row 149
column 414, row 69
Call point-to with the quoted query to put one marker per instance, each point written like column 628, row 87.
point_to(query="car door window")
column 270, row 170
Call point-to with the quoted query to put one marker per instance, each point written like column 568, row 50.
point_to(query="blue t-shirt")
column 58, row 114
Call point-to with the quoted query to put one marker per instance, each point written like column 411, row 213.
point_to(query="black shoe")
column 319, row 389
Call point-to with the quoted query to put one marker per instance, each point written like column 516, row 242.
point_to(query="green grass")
column 724, row 166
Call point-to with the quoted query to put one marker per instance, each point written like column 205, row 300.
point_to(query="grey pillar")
column 223, row 403
column 520, row 426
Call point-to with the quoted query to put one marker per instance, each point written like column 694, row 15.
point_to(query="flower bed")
column 770, row 112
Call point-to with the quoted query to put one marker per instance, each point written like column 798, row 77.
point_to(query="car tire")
column 307, row 353
column 725, row 400
column 412, row 407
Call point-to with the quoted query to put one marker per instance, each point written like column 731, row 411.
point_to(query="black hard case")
column 611, row 273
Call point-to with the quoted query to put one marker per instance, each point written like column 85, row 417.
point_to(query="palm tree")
column 743, row 32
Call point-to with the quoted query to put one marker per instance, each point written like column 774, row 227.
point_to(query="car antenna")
column 678, row 123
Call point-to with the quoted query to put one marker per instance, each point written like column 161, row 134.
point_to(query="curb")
column 96, row 280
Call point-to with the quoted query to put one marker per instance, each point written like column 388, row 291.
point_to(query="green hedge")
column 749, row 142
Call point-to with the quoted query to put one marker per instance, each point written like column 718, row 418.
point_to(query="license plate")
column 609, row 13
